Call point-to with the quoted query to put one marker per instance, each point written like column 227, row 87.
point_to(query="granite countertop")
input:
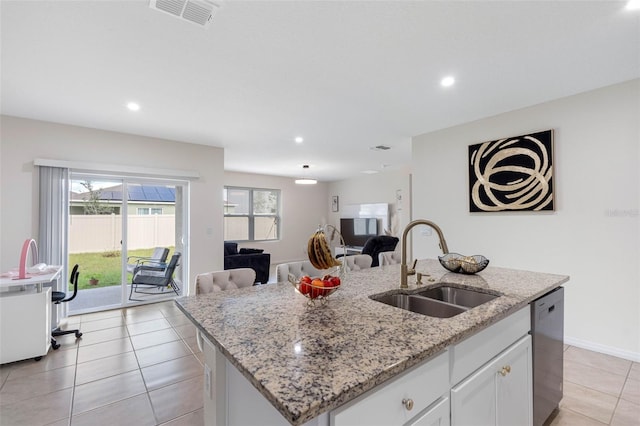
column 307, row 360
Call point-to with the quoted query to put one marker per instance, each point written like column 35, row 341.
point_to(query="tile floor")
column 135, row 366
column 142, row 366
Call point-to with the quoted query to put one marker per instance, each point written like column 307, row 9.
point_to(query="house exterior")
column 142, row 200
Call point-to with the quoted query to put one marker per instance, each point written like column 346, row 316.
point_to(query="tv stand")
column 348, row 250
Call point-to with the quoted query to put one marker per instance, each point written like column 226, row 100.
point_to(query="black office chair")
column 151, row 276
column 58, row 297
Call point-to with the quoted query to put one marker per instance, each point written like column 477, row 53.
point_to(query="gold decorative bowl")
column 455, row 262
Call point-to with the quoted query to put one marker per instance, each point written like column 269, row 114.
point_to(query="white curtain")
column 54, row 215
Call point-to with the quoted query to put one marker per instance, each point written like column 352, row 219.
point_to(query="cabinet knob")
column 408, row 403
column 505, row 370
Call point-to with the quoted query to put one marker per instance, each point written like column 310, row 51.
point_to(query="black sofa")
column 247, row 258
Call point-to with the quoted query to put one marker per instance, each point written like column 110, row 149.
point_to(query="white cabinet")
column 401, row 399
column 490, row 373
column 25, row 324
column 499, row 393
column 436, row 415
column 231, row 400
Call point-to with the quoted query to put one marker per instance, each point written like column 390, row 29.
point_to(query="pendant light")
column 305, row 179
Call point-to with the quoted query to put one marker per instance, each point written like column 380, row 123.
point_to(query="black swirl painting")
column 512, row 174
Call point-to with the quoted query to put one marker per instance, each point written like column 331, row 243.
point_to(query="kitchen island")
column 310, row 362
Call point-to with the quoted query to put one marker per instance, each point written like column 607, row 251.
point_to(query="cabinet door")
column 514, row 386
column 437, row 415
column 473, row 401
column 499, row 393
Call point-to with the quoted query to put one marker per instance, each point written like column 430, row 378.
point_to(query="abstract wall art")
column 512, row 174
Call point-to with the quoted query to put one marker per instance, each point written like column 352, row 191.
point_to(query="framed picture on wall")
column 334, row 204
column 512, row 174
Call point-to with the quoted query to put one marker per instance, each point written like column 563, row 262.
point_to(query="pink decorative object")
column 29, row 245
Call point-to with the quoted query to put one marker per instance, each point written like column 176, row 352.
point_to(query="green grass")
column 104, row 266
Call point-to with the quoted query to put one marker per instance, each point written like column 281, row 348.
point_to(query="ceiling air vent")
column 199, row 12
column 380, row 148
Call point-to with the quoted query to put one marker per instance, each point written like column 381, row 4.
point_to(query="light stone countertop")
column 306, row 360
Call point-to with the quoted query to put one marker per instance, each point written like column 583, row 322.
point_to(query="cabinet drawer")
column 422, row 384
column 470, row 354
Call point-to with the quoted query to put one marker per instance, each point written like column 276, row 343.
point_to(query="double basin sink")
column 441, row 302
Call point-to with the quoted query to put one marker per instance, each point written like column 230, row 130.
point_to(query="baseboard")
column 608, row 350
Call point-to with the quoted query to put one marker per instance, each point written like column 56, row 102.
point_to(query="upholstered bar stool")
column 357, row 262
column 224, row 280
column 298, row 269
column 389, row 258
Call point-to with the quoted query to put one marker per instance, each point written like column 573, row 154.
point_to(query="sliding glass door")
column 155, row 218
column 115, row 225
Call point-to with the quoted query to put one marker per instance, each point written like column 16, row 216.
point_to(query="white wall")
column 304, row 207
column 594, row 233
column 24, row 140
column 384, row 187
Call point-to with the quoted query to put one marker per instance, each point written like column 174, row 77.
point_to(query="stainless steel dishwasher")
column 547, row 335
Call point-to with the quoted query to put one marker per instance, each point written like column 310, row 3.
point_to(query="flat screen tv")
column 357, row 231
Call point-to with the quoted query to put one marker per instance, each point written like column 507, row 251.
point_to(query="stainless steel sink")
column 458, row 296
column 421, row 305
column 440, row 302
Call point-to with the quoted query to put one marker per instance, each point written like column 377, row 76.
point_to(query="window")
column 251, row 214
column 149, row 210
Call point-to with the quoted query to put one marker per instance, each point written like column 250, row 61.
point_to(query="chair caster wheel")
column 38, row 358
column 55, row 346
column 78, row 334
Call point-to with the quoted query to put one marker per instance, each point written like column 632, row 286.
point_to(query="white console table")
column 25, row 317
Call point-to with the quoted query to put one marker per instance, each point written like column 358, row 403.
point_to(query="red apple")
column 305, row 284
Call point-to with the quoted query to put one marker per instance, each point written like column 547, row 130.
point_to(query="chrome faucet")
column 404, row 270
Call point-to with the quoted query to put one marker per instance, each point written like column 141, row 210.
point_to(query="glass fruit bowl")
column 455, row 262
column 316, row 288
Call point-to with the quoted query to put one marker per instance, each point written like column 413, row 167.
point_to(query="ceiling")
column 344, row 75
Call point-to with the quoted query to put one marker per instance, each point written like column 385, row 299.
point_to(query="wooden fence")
column 100, row 233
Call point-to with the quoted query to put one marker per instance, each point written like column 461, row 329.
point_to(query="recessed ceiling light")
column 299, row 139
column 133, row 106
column 369, row 172
column 447, row 81
column 633, row 5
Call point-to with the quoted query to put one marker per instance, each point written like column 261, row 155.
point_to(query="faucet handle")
column 412, row 270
